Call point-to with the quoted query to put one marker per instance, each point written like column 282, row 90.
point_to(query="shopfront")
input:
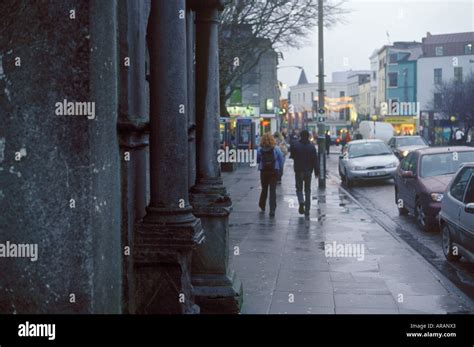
column 402, row 125
column 268, row 123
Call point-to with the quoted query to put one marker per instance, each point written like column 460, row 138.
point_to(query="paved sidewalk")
column 284, row 269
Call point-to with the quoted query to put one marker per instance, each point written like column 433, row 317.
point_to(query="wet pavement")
column 378, row 199
column 340, row 261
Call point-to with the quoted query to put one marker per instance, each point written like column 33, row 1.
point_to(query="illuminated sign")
column 244, row 111
column 400, row 120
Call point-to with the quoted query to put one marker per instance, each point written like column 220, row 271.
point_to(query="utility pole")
column 321, row 105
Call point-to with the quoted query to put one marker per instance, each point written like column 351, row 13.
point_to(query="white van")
column 376, row 130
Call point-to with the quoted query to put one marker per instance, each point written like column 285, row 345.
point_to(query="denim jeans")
column 268, row 180
column 281, row 171
column 304, row 178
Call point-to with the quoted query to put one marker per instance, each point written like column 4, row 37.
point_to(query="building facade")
column 363, row 105
column 374, row 70
column 304, row 98
column 354, row 81
column 397, row 84
column 258, row 91
column 445, row 58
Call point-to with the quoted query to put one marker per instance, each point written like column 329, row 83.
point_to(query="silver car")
column 457, row 215
column 366, row 160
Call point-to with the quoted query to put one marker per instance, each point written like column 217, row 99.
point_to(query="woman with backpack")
column 270, row 162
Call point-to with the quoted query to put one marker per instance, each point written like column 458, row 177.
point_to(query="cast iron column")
column 215, row 290
column 168, row 233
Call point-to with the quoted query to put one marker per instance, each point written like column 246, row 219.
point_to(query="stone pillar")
column 164, row 240
column 132, row 128
column 191, row 96
column 214, row 289
column 64, row 195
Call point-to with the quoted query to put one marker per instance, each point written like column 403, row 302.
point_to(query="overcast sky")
column 366, row 29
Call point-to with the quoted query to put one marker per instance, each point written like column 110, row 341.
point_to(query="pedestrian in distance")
column 294, row 137
column 347, row 138
column 328, row 142
column 343, row 139
column 459, row 136
column 270, row 162
column 281, row 143
column 305, row 160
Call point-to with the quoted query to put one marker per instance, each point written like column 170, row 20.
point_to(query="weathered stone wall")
column 67, row 157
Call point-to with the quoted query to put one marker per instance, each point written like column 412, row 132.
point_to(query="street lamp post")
column 321, row 91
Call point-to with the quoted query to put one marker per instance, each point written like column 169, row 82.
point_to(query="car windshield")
column 444, row 163
column 411, row 141
column 368, row 149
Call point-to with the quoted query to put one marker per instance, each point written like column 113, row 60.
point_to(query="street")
column 378, row 200
column 285, row 268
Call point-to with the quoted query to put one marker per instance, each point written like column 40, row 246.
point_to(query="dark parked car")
column 402, row 145
column 422, row 177
column 456, row 218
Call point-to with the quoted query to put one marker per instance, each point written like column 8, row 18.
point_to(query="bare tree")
column 250, row 28
column 456, row 98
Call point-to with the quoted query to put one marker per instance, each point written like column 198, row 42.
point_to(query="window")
column 342, row 114
column 439, row 51
column 393, row 58
column 438, row 76
column 411, row 141
column 468, row 48
column 437, row 100
column 304, row 97
column 342, row 94
column 374, row 75
column 469, row 198
column 440, row 164
column 460, row 182
column 393, row 79
column 458, row 74
column 368, row 149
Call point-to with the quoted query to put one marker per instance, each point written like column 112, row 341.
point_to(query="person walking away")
column 281, row 143
column 459, row 135
column 305, row 160
column 348, row 138
column 328, row 142
column 343, row 140
column 270, row 162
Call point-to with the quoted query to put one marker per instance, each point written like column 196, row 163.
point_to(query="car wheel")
column 402, row 211
column 447, row 244
column 421, row 217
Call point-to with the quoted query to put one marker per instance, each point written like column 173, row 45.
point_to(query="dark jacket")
column 305, row 157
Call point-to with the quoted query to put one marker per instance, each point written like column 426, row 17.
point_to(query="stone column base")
column 217, row 294
column 162, row 262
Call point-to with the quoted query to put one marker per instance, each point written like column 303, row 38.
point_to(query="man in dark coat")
column 305, row 157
